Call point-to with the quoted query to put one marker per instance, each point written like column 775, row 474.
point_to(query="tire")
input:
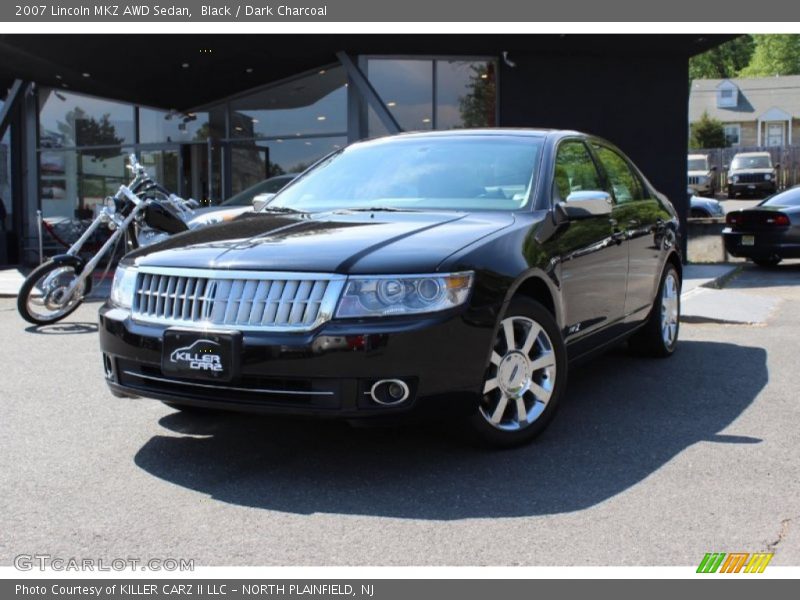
column 658, row 337
column 696, row 213
column 731, row 193
column 26, row 299
column 537, row 391
column 767, row 262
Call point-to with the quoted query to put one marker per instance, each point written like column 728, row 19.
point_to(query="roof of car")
column 489, row 131
column 746, row 154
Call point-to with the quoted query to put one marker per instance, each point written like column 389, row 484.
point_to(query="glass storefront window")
column 406, row 86
column 158, row 126
column 424, row 94
column 68, row 120
column 313, row 104
column 465, row 94
column 254, row 162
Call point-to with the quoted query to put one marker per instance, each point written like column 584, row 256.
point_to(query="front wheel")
column 525, row 379
column 43, row 299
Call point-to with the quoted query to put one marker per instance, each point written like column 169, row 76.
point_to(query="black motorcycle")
column 57, row 287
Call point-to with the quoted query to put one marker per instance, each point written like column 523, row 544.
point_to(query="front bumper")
column 763, row 187
column 328, row 372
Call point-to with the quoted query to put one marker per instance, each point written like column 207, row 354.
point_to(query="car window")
column 575, row 170
column 790, row 197
column 751, row 162
column 697, row 164
column 625, row 183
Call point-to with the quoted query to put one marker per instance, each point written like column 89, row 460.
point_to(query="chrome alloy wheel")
column 521, row 375
column 669, row 309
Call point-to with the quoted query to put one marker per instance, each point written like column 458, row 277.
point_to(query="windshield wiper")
column 280, row 209
column 377, row 209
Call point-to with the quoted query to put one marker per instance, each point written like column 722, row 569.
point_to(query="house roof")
column 757, row 96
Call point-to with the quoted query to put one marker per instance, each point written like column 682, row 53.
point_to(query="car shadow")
column 622, row 419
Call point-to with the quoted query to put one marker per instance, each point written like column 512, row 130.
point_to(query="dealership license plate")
column 748, row 240
column 210, row 355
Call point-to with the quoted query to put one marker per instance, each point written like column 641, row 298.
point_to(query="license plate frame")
column 748, row 240
column 204, row 355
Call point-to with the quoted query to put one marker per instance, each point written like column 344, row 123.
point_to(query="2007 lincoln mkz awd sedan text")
column 453, row 272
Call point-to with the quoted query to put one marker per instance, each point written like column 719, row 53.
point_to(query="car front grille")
column 246, row 300
column 751, row 178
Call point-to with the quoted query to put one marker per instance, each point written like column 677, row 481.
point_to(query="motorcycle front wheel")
column 42, row 298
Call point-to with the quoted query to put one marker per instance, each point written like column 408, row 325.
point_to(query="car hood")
column 698, row 173
column 215, row 214
column 337, row 242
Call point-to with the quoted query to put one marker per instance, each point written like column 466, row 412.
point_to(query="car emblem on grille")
column 208, row 300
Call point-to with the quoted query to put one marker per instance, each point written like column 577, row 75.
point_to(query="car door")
column 593, row 257
column 642, row 218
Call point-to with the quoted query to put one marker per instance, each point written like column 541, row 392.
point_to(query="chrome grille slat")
column 246, row 300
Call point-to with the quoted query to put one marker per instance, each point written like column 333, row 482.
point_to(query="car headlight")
column 124, row 286
column 735, row 178
column 767, row 177
column 386, row 295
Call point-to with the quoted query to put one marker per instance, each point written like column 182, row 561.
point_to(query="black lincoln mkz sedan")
column 453, row 272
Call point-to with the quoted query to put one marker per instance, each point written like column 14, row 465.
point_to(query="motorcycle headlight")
column 124, row 286
column 376, row 296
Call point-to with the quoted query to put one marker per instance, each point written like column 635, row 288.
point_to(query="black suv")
column 452, row 272
column 752, row 173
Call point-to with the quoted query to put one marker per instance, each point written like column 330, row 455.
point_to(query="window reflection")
column 157, row 126
column 314, row 104
column 425, row 94
column 67, row 119
column 255, row 161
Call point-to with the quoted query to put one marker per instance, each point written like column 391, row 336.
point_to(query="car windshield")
column 751, row 162
column 788, row 198
column 471, row 172
column 697, row 164
column 269, row 186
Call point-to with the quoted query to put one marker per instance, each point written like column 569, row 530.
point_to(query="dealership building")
column 210, row 116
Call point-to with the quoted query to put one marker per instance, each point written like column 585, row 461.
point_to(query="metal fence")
column 788, row 157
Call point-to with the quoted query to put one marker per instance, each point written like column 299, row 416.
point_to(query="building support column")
column 369, row 95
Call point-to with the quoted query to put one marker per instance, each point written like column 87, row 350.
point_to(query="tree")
column 707, row 133
column 724, row 61
column 775, row 54
column 88, row 131
column 478, row 106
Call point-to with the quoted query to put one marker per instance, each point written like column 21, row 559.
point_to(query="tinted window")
column 459, row 173
column 624, row 181
column 697, row 164
column 788, row 198
column 575, row 170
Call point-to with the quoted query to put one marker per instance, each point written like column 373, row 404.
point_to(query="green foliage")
column 774, row 54
column 724, row 61
column 707, row 133
column 84, row 130
column 478, row 106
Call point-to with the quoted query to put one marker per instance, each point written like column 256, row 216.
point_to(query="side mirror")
column 585, row 205
column 778, row 165
column 261, row 200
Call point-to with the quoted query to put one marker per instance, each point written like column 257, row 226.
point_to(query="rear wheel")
column 525, row 380
column 659, row 335
column 767, row 262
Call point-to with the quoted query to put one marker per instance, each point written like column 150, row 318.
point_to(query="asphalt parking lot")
column 648, row 463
